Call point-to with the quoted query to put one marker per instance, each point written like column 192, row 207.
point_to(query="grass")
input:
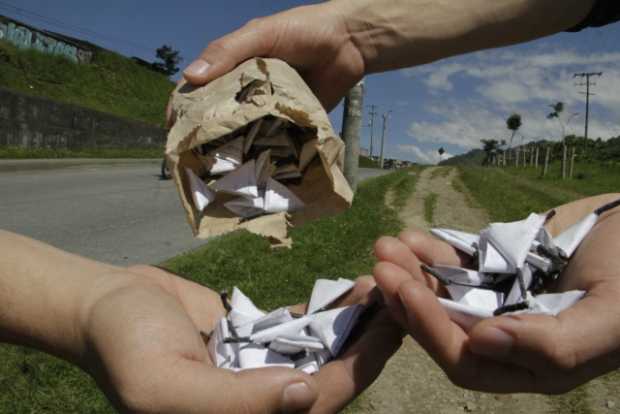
column 341, row 246
column 508, row 197
column 512, row 193
column 33, row 153
column 366, row 162
column 430, row 203
column 589, row 178
column 111, row 83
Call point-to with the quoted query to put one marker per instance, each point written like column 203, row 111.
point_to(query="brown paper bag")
column 266, row 102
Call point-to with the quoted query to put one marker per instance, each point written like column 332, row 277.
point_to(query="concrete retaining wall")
column 31, row 122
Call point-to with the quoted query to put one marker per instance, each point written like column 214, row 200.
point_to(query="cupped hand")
column 144, row 347
column 313, row 39
column 514, row 353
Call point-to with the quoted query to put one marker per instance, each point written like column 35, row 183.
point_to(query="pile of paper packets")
column 252, row 166
column 250, row 338
column 515, row 262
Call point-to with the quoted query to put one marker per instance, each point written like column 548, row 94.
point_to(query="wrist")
column 41, row 300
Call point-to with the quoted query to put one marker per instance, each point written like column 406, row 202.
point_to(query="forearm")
column 42, row 292
column 392, row 34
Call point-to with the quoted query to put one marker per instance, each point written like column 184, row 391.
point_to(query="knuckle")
column 217, row 47
column 365, row 283
column 254, row 23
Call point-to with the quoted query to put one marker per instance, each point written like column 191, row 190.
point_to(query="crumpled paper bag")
column 231, row 106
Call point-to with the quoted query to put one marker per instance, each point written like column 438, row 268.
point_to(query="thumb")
column 255, row 39
column 204, row 389
column 577, row 341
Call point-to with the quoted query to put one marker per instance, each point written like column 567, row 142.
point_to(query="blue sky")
column 452, row 103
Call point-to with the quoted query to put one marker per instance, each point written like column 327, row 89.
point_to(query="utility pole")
column 351, row 126
column 385, row 116
column 588, row 83
column 371, row 125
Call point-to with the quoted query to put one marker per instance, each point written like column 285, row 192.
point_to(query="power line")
column 588, row 83
column 59, row 24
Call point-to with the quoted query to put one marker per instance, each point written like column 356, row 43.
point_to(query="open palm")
column 146, row 351
column 514, row 353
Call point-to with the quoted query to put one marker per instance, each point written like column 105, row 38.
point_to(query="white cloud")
column 424, row 157
column 498, row 83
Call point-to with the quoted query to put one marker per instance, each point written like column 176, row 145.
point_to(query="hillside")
column 111, row 83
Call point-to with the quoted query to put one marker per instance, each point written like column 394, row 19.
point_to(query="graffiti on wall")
column 25, row 38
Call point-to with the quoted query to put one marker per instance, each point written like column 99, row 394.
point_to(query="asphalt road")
column 120, row 213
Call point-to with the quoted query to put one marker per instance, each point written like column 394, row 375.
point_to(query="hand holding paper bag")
column 523, row 352
column 259, row 147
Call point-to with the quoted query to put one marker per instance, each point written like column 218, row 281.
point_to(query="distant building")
column 364, row 152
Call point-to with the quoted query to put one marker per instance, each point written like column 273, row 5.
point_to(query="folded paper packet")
column 255, row 150
column 515, row 262
column 249, row 338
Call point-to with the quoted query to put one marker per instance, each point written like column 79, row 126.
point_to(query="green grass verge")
column 40, row 153
column 430, row 204
column 366, row 162
column 341, row 246
column 588, row 179
column 508, row 197
column 110, row 83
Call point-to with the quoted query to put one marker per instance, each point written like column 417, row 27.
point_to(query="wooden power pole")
column 385, row 116
column 371, row 125
column 351, row 128
column 588, row 83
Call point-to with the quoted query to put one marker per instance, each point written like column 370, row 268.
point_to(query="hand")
column 313, row 39
column 145, row 350
column 514, row 353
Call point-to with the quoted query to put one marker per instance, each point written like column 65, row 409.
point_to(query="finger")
column 363, row 293
column 433, row 251
column 576, row 346
column 390, row 249
column 389, row 278
column 340, row 381
column 445, row 342
column 191, row 387
column 255, row 39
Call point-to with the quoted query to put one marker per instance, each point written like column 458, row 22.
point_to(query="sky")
column 453, row 103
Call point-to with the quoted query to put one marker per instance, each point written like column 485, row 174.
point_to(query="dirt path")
column 411, row 382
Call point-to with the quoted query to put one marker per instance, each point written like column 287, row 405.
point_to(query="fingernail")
column 198, row 68
column 297, row 397
column 492, row 342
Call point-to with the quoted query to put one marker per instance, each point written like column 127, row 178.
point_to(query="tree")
column 491, row 148
column 441, row 151
column 513, row 123
column 558, row 110
column 169, row 60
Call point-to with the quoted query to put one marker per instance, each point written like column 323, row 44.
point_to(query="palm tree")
column 490, row 147
column 558, row 109
column 441, row 151
column 513, row 123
